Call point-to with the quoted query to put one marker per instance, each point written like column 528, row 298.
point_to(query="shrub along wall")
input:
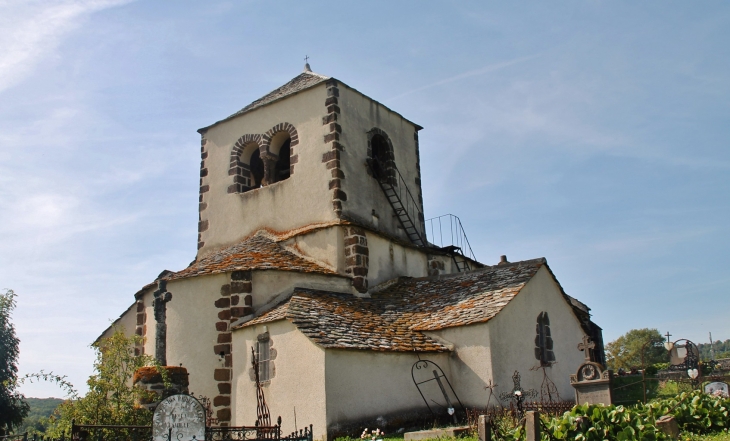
column 694, row 412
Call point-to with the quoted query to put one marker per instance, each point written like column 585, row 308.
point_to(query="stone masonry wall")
column 357, row 257
column 235, row 301
column 141, row 328
column 331, row 159
column 204, row 188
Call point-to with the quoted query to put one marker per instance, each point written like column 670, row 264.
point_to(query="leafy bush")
column 590, row 422
column 694, row 412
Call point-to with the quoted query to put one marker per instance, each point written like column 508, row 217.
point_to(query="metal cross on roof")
column 306, row 58
column 585, row 346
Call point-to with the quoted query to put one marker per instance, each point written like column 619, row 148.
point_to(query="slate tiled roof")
column 258, row 252
column 303, row 81
column 394, row 319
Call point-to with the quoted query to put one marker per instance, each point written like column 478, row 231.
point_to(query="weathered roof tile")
column 258, row 252
column 394, row 319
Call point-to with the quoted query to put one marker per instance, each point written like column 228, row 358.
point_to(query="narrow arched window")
column 544, row 341
column 380, row 156
column 280, row 146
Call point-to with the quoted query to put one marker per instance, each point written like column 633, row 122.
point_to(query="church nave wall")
column 363, row 385
column 513, row 334
column 191, row 330
column 470, row 362
column 297, row 385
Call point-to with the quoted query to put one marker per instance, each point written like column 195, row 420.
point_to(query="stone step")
column 446, row 432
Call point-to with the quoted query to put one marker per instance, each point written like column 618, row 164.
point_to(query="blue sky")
column 592, row 133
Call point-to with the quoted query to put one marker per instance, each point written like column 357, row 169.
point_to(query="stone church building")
column 313, row 250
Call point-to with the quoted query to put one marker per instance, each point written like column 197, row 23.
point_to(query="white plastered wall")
column 191, row 333
column 127, row 323
column 513, row 332
column 271, row 287
column 299, row 381
column 301, row 200
column 368, row 384
column 470, row 362
column 359, row 115
column 388, row 260
column 324, row 245
column 149, row 337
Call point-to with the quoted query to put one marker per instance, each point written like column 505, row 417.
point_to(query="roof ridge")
column 483, row 269
column 299, row 83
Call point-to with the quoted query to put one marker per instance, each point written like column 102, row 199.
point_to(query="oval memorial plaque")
column 181, row 413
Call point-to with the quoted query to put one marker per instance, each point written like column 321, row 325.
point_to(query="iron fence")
column 18, row 436
column 104, row 432
column 96, row 432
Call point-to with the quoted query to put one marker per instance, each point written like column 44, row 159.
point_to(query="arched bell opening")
column 281, row 146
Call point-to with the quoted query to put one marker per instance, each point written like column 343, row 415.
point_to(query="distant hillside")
column 40, row 408
column 722, row 349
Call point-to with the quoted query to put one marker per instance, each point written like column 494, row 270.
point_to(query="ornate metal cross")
column 160, row 306
column 306, row 58
column 518, row 394
column 587, row 345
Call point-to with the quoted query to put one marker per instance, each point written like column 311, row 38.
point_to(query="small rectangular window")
column 263, row 356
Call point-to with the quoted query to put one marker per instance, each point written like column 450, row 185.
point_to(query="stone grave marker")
column 592, row 382
column 717, row 388
column 181, row 413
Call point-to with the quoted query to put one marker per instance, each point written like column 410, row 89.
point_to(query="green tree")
column 111, row 398
column 13, row 407
column 625, row 351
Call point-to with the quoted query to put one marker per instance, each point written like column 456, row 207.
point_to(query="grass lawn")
column 720, row 436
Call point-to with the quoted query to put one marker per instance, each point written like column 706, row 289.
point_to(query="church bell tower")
column 312, row 153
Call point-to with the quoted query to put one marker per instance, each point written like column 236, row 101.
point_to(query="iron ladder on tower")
column 401, row 199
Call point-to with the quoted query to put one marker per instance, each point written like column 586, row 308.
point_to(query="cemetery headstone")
column 180, row 418
column 592, row 382
column 717, row 388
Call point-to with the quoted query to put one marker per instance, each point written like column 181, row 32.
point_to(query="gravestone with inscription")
column 592, row 382
column 179, row 418
column 717, row 388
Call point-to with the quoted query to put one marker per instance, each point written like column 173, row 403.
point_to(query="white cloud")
column 31, row 30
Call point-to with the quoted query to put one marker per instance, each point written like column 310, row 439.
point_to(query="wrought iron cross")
column 518, row 394
column 586, row 346
column 160, row 305
column 668, row 335
column 306, row 58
